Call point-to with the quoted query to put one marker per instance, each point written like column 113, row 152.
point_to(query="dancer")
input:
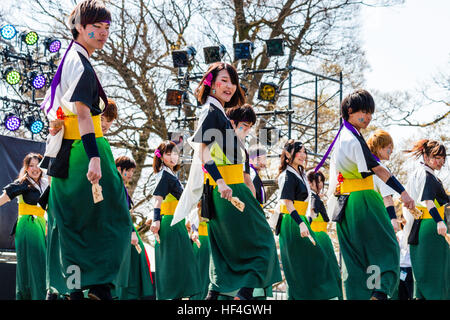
column 30, row 229
column 109, row 115
column 319, row 219
column 406, row 285
column 367, row 240
column 258, row 160
column 92, row 238
column 243, row 249
column 430, row 253
column 301, row 253
column 381, row 145
column 177, row 275
column 140, row 282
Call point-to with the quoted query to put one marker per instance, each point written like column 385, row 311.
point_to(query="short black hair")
column 123, row 162
column 88, row 12
column 360, row 100
column 244, row 113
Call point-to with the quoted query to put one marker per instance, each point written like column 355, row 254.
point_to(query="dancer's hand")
column 155, row 227
column 225, row 191
column 408, row 202
column 441, row 228
column 95, row 171
column 394, row 223
column 194, row 236
column 134, row 239
column 304, row 231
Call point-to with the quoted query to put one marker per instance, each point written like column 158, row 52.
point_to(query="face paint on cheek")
column 91, row 35
column 361, row 120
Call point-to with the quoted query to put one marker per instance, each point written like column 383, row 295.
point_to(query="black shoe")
column 378, row 295
column 101, row 292
column 212, row 295
column 77, row 295
column 51, row 296
column 244, row 294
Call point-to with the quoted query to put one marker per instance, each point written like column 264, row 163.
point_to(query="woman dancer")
column 177, row 274
column 430, row 253
column 301, row 254
column 243, row 249
column 30, row 229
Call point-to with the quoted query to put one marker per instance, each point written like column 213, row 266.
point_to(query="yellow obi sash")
column 426, row 214
column 352, row 185
column 318, row 225
column 232, row 174
column 300, row 206
column 72, row 132
column 168, row 207
column 30, row 210
column 203, row 229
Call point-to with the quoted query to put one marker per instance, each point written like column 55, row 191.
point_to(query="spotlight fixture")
column 37, row 81
column 12, row 122
column 8, row 31
column 174, row 97
column 181, row 58
column 52, row 45
column 30, row 38
column 275, row 47
column 34, row 125
column 267, row 91
column 214, row 53
column 243, row 50
column 12, row 76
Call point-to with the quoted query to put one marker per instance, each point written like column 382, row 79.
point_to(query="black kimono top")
column 29, row 193
column 218, row 134
column 168, row 187
column 434, row 190
column 293, row 188
column 257, row 182
column 318, row 207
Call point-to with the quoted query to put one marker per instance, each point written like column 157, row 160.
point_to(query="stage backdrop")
column 12, row 152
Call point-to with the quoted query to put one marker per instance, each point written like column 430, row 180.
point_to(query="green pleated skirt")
column 243, row 247
column 309, row 272
column 430, row 260
column 176, row 270
column 93, row 240
column 30, row 251
column 370, row 250
column 140, row 282
column 202, row 256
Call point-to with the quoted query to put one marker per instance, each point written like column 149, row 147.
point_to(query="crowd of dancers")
column 213, row 239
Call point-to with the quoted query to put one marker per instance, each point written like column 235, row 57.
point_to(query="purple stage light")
column 12, row 123
column 39, row 81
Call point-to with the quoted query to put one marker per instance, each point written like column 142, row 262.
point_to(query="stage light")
column 12, row 76
column 174, row 97
column 181, row 58
column 52, row 45
column 243, row 50
column 267, row 91
column 30, row 38
column 275, row 47
column 8, row 31
column 34, row 125
column 214, row 53
column 12, row 122
column 38, row 81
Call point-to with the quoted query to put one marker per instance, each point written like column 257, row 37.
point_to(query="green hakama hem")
column 92, row 238
column 325, row 242
column 370, row 250
column 307, row 268
column 430, row 260
column 30, row 250
column 202, row 256
column 140, row 280
column 242, row 244
column 177, row 275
